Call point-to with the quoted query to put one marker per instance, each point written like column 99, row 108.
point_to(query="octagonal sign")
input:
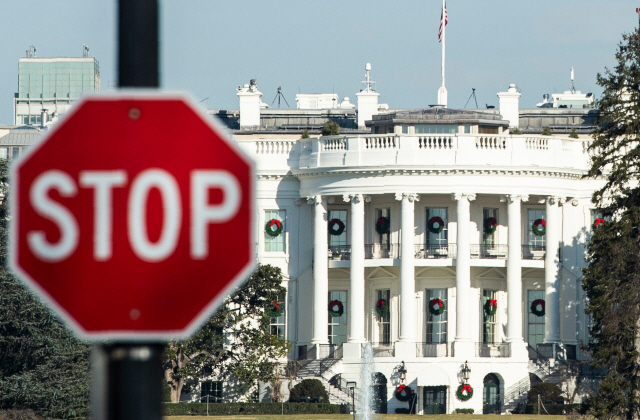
column 133, row 217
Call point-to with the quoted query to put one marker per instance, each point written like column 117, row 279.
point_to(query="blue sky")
column 209, row 47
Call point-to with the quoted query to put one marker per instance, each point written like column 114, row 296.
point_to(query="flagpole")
column 444, row 37
column 442, row 92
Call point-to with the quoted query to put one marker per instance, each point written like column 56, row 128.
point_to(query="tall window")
column 338, row 324
column 338, row 240
column 535, row 330
column 437, row 239
column 277, row 325
column 437, row 324
column 212, row 389
column 384, row 238
column 275, row 243
column 384, row 322
column 534, row 240
column 489, row 324
column 487, row 213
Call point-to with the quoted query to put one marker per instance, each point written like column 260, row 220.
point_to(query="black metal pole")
column 134, row 381
column 138, row 55
column 130, row 382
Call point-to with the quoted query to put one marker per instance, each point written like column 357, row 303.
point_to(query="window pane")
column 338, row 240
column 441, row 238
column 436, row 324
column 489, row 321
column 275, row 243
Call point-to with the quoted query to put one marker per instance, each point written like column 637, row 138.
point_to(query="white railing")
column 274, row 147
column 448, row 150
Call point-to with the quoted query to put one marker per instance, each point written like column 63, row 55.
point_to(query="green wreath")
column 382, row 225
column 336, row 227
column 534, row 307
column 335, row 308
column 271, row 230
column 432, row 306
column 402, row 393
column 490, row 225
column 435, row 224
column 382, row 307
column 537, row 230
column 275, row 309
column 490, row 307
column 464, row 392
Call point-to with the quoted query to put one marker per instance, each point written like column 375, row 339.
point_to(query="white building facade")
column 465, row 233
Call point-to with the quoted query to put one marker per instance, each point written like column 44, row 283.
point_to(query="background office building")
column 48, row 86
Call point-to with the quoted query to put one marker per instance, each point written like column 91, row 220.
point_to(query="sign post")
column 134, row 372
column 129, row 204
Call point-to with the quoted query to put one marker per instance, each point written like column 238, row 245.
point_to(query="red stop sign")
column 133, row 218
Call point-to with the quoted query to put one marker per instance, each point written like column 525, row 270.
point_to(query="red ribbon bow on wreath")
column 493, row 302
column 401, row 387
column 276, row 306
column 275, row 222
column 466, row 388
column 380, row 303
column 598, row 222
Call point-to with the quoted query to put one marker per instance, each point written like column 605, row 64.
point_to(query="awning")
column 432, row 376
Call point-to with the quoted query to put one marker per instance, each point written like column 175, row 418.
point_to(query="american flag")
column 444, row 13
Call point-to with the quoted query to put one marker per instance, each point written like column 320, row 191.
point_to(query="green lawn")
column 381, row 417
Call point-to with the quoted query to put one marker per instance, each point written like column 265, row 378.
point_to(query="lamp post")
column 352, row 386
column 402, row 370
column 466, row 372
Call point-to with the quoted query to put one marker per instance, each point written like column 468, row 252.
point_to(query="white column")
column 552, row 271
column 407, row 269
column 463, row 269
column 356, row 312
column 514, row 268
column 320, row 334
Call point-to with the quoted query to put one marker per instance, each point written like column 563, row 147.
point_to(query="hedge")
column 554, row 409
column 402, row 411
column 226, row 409
column 464, row 410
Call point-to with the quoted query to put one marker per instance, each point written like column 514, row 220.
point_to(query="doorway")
column 435, row 399
column 491, row 395
column 379, row 388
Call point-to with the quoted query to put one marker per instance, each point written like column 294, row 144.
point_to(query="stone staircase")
column 327, row 370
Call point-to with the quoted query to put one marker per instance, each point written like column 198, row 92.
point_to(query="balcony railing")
column 378, row 251
column 340, row 252
column 444, row 150
column 320, row 351
column 493, row 349
column 381, row 349
column 489, row 251
column 432, row 349
column 533, row 252
column 435, row 251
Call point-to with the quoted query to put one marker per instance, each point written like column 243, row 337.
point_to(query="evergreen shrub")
column 309, row 388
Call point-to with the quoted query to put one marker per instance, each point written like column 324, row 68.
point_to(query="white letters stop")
column 103, row 182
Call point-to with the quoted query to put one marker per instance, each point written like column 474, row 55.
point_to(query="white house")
column 472, row 238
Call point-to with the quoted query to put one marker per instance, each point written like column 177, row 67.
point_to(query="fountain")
column 365, row 400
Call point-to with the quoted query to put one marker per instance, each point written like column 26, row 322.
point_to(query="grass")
column 380, row 417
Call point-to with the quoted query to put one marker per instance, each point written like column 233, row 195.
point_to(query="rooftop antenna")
column 573, row 89
column 31, row 52
column 473, row 95
column 368, row 82
column 278, row 96
column 85, row 50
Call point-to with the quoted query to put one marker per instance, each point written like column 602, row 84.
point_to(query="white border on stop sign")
column 132, row 336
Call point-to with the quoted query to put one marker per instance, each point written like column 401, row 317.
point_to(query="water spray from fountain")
column 365, row 401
